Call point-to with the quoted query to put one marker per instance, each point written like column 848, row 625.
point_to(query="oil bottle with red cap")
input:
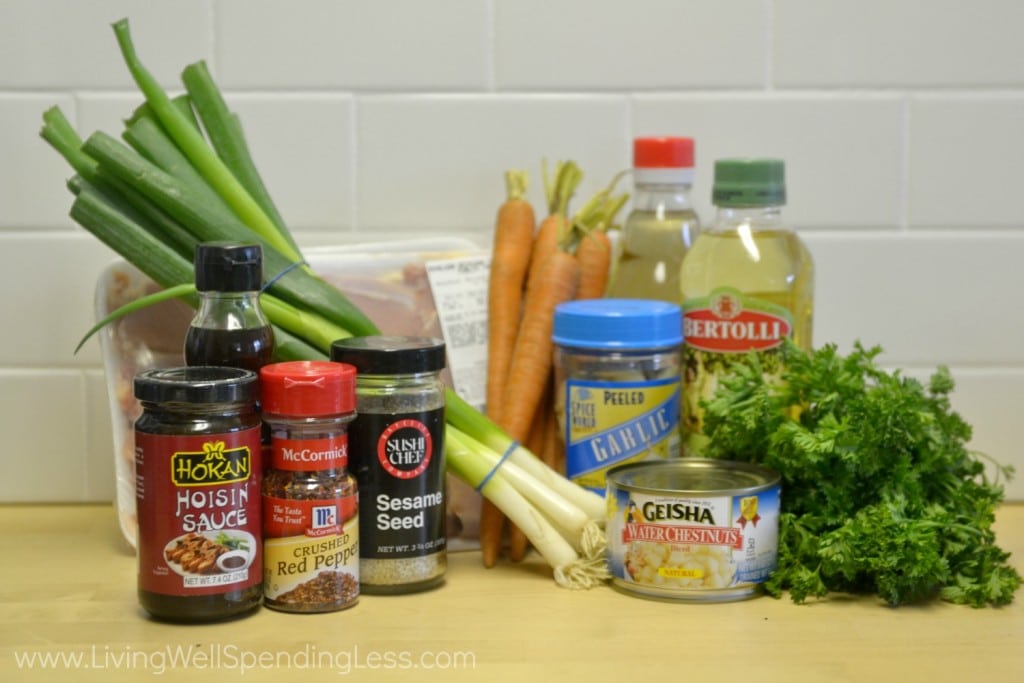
column 662, row 224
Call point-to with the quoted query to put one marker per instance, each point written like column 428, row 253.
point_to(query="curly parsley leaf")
column 880, row 492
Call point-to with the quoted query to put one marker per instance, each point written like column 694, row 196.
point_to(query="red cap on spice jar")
column 663, row 152
column 308, row 388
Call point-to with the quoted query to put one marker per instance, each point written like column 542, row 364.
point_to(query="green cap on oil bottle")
column 741, row 183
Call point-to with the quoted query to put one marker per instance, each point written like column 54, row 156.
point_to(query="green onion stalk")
column 184, row 175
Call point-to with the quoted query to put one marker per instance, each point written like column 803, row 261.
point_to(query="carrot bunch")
column 533, row 270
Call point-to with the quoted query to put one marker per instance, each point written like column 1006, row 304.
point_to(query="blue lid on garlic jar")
column 623, row 324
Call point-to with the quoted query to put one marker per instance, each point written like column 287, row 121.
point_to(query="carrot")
column 552, row 232
column 547, row 448
column 517, row 391
column 535, row 439
column 517, row 541
column 555, row 230
column 531, row 358
column 538, row 442
column 559, row 189
column 552, row 235
column 513, row 240
column 492, row 530
column 593, row 247
column 594, row 253
column 553, row 453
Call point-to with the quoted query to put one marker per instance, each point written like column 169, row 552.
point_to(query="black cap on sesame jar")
column 390, row 355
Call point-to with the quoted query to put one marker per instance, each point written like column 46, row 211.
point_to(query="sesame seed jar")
column 397, row 456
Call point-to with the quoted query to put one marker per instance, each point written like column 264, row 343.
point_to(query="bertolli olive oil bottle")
column 747, row 282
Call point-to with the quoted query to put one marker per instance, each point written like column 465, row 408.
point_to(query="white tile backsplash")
column 943, row 297
column 69, row 44
column 301, row 142
column 636, row 45
column 990, row 400
column 305, row 152
column 899, row 120
column 50, row 279
column 965, row 160
column 351, row 44
column 890, row 43
column 437, row 162
column 99, row 439
column 844, row 154
column 44, row 421
column 31, row 192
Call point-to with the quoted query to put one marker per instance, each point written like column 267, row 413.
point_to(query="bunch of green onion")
column 186, row 176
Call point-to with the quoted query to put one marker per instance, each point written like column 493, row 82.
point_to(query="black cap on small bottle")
column 228, row 267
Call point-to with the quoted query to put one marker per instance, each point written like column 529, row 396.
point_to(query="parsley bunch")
column 879, row 491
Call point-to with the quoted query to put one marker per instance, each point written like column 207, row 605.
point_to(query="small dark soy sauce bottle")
column 230, row 329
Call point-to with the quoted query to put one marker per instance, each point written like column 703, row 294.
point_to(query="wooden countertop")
column 68, row 592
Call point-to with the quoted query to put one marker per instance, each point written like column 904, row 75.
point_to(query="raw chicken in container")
column 388, row 281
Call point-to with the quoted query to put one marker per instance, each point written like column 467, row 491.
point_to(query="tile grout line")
column 904, row 194
column 353, row 171
column 83, row 388
column 491, row 40
column 769, row 44
column 214, row 48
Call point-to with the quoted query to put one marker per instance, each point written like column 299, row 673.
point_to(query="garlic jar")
column 617, row 377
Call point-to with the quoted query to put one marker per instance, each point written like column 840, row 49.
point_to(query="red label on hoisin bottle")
column 203, row 538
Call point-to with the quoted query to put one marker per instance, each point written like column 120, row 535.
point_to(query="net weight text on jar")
column 413, row 547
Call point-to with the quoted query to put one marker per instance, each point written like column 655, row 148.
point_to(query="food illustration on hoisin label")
column 195, row 553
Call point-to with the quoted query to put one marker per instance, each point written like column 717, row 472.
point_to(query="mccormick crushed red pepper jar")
column 197, row 463
column 310, row 501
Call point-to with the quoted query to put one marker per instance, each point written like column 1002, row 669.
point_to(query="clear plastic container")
column 387, row 280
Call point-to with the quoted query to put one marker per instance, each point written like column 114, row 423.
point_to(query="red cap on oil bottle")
column 308, row 388
column 663, row 152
